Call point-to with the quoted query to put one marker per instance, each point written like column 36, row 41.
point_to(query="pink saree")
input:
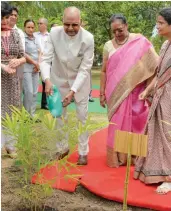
column 127, row 72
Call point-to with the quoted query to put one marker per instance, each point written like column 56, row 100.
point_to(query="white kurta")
column 67, row 61
column 72, row 61
column 42, row 40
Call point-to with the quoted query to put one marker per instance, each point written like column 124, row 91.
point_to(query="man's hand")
column 35, row 70
column 48, row 87
column 68, row 98
column 14, row 63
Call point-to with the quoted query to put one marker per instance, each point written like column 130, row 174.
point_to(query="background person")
column 13, row 25
column 42, row 37
column 31, row 68
column 53, row 25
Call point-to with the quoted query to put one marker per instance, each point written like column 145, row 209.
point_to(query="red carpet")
column 95, row 92
column 107, row 182
column 40, row 88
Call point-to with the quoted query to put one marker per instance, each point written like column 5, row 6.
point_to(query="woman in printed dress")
column 156, row 167
column 12, row 56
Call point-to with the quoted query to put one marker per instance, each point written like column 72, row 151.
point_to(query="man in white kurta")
column 70, row 48
column 42, row 37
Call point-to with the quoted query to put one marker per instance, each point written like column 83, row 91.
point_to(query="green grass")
column 93, row 107
column 95, row 73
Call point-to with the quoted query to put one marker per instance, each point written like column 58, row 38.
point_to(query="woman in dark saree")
column 156, row 167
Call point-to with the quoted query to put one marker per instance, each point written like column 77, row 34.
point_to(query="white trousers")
column 30, row 89
column 82, row 114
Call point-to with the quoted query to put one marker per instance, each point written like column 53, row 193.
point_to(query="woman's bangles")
column 102, row 94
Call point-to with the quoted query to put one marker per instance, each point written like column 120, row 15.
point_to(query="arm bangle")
column 102, row 94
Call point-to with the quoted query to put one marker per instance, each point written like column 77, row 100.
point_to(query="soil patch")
column 80, row 200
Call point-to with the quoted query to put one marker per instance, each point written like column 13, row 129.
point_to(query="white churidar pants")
column 82, row 114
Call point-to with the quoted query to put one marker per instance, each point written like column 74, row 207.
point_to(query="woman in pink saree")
column 156, row 167
column 129, row 60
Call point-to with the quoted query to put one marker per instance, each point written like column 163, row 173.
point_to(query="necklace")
column 123, row 41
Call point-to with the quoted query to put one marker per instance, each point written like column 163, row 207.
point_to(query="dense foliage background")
column 141, row 17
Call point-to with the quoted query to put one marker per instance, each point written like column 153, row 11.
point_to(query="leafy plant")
column 36, row 147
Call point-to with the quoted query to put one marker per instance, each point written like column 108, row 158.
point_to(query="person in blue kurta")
column 31, row 68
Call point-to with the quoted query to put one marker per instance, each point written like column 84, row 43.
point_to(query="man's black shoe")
column 91, row 99
column 45, row 107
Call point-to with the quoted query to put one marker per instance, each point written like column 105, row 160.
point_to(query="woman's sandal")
column 164, row 188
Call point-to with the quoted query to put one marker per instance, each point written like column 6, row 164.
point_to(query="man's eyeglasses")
column 74, row 25
column 40, row 23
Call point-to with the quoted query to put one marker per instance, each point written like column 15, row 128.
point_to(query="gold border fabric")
column 140, row 72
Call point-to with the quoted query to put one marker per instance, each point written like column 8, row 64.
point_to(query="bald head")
column 71, row 21
column 72, row 13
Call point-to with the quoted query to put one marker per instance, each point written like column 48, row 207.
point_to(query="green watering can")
column 54, row 102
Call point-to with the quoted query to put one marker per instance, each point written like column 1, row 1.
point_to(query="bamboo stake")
column 131, row 144
column 127, row 172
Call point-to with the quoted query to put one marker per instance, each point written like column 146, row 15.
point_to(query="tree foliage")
column 141, row 16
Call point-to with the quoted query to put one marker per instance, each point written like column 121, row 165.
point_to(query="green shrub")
column 36, row 147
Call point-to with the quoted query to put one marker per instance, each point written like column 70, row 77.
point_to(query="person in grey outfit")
column 31, row 68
